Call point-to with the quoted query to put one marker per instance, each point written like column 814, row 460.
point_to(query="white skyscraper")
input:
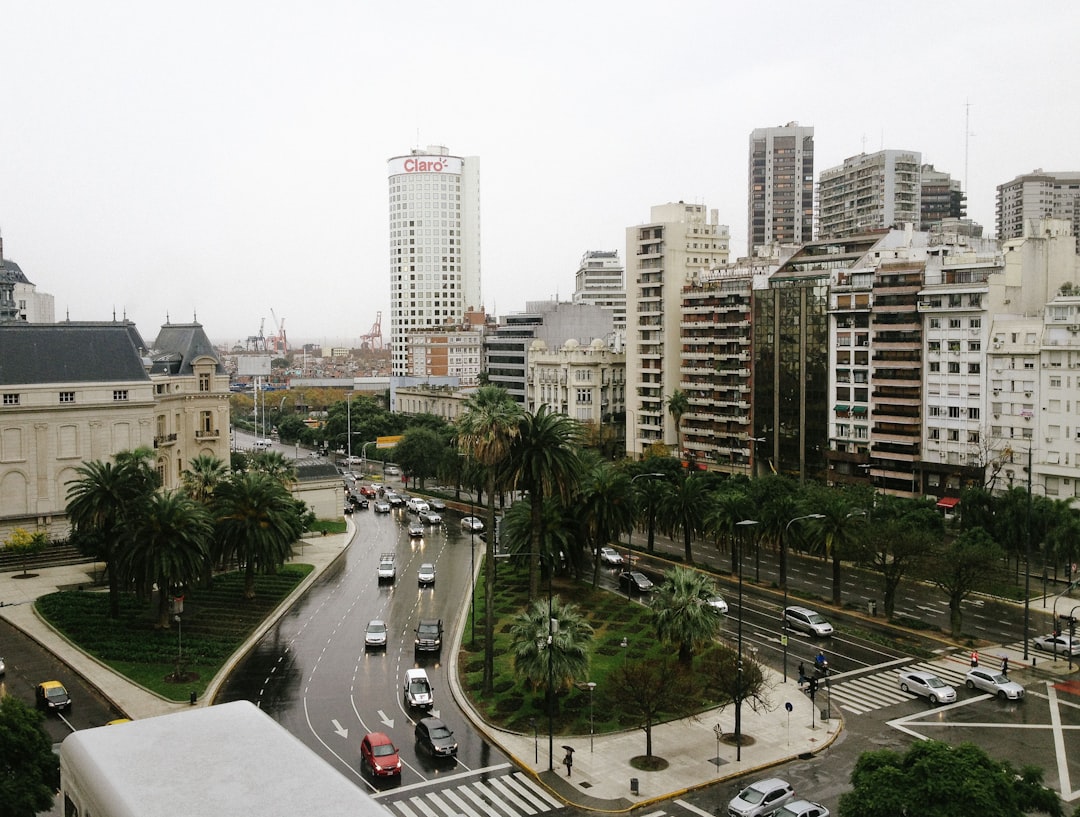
column 434, row 244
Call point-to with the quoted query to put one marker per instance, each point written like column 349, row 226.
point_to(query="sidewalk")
column 602, row 773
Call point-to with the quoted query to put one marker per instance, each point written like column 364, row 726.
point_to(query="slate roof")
column 12, row 272
column 316, row 470
column 177, row 345
column 90, row 352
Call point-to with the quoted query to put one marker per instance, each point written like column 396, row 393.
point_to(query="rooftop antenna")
column 967, row 140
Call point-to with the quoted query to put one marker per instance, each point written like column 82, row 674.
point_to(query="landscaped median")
column 172, row 662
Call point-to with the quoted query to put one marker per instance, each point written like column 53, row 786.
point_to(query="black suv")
column 429, row 635
column 435, row 738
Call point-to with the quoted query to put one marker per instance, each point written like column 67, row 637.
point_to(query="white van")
column 262, row 445
column 417, row 689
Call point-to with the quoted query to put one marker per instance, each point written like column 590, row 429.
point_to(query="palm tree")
column 257, row 523
column 606, row 508
column 678, row 404
column 276, row 465
column 169, row 546
column 686, row 509
column 729, row 506
column 202, row 476
column 544, row 462
column 542, row 652
column 485, row 433
column 839, row 530
column 683, row 613
column 103, row 501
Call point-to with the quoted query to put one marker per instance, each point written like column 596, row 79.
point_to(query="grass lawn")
column 215, row 624
column 514, row 703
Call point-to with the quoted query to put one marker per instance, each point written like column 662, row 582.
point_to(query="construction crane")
column 373, row 339
column 278, row 341
column 257, row 343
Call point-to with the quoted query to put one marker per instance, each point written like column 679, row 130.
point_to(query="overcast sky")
column 223, row 159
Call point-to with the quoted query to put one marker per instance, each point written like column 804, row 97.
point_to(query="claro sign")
column 425, row 164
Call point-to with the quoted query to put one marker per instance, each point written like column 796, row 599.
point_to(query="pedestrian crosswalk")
column 865, row 693
column 511, row 795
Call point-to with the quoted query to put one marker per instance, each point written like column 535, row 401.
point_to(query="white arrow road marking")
column 339, row 729
column 389, row 722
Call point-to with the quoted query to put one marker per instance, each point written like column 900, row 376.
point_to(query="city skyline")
column 158, row 165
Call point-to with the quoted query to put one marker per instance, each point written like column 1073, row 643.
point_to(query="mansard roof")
column 66, row 352
column 178, row 346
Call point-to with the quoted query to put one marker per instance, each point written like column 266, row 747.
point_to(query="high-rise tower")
column 781, row 186
column 434, row 244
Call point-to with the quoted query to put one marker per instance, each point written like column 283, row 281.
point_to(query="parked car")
column 761, row 798
column 375, row 635
column 379, row 755
column 995, row 683
column 808, row 621
column 382, row 506
column 610, row 557
column 426, row 574
column 927, row 685
column 716, row 601
column 417, row 689
column 435, row 738
column 801, row 808
column 429, row 518
column 416, row 530
column 52, row 697
column 1060, row 644
column 429, row 634
column 471, row 523
column 637, row 582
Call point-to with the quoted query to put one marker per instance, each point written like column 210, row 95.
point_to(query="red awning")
column 948, row 502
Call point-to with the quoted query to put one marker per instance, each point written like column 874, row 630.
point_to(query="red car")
column 379, row 754
column 368, row 491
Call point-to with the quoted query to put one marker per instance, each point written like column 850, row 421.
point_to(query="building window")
column 973, row 413
column 974, row 368
column 120, row 395
column 204, row 381
column 11, row 398
column 584, row 396
column 67, row 397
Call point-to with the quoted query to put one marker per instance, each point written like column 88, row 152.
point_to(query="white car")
column 471, row 523
column 417, row 505
column 429, row 518
column 610, row 557
column 810, row 622
column 717, row 602
column 1060, row 644
column 416, row 530
column 426, row 574
column 801, row 808
column 416, row 690
column 927, row 685
column 995, row 683
column 761, row 798
column 382, row 506
column 375, row 635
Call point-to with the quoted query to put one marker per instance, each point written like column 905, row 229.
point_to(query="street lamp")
column 753, row 454
column 783, row 578
column 592, row 687
column 746, row 523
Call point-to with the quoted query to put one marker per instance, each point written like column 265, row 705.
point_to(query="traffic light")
column 813, row 688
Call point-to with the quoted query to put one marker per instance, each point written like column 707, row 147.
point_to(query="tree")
column 934, row 779
column 533, row 645
column 683, row 613
column 960, row 567
column 257, row 522
column 169, row 547
column 721, row 667
column 648, row 691
column 485, row 432
column 25, row 544
column 202, row 476
column 104, row 498
column 606, row 509
column 419, row 453
column 729, row 506
column 544, row 462
column 29, row 770
column 839, row 530
column 275, row 465
column 902, row 536
column 685, row 509
column 677, row 405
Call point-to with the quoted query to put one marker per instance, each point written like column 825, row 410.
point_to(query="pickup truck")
column 429, row 635
column 387, row 571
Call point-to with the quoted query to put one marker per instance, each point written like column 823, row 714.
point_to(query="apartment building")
column 872, row 191
column 587, row 383
column 662, row 257
column 780, row 207
column 941, row 198
column 600, row 280
column 1036, row 196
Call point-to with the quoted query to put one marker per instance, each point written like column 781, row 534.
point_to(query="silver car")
column 375, row 635
column 801, row 808
column 426, row 574
column 995, row 683
column 761, row 798
column 1060, row 644
column 927, row 685
column 809, row 621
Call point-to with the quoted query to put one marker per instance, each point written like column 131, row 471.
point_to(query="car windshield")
column 935, row 682
column 440, row 732
column 427, row 568
column 56, row 692
column 418, row 688
column 816, row 618
column 382, row 749
column 751, row 795
column 1000, row 680
column 376, row 627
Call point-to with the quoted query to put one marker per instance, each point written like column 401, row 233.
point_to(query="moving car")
column 52, row 697
column 610, row 557
column 362, row 504
column 392, row 471
column 395, row 500
column 416, row 530
column 3, row 667
column 437, row 504
column 379, row 755
column 471, row 523
column 638, row 582
column 1060, row 644
column 426, row 574
column 761, row 798
column 435, row 738
column 927, row 685
column 417, row 689
column 808, row 621
column 417, row 505
column 995, row 683
column 382, row 506
column 375, row 635
column 716, row 601
column 428, row 635
column 368, row 491
column 429, row 518
column 802, row 808
column 387, row 570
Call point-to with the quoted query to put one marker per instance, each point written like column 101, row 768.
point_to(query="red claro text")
column 424, row 166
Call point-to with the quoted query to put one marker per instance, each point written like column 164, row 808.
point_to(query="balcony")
column 162, row 440
column 207, row 434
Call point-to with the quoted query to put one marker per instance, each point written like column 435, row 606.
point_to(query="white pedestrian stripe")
column 866, row 693
column 512, row 795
